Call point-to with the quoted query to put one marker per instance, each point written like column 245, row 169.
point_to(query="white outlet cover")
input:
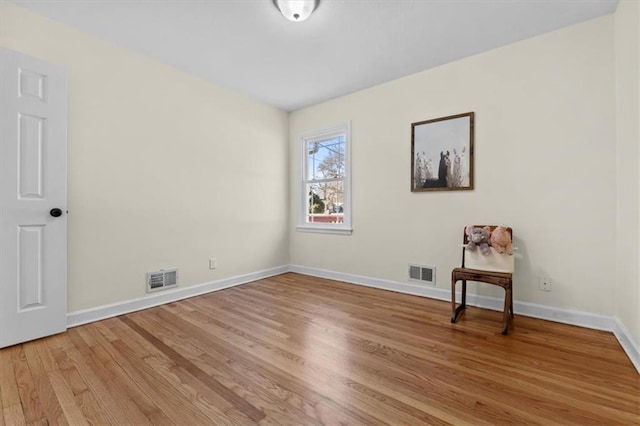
column 544, row 283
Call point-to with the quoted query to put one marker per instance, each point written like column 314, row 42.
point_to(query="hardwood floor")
column 300, row 350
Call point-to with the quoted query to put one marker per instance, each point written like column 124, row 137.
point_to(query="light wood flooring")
column 300, row 350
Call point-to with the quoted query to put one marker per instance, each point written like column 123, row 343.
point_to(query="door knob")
column 55, row 212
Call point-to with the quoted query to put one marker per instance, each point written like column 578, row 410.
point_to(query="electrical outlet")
column 544, row 283
column 213, row 263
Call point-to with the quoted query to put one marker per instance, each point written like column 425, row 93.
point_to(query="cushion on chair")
column 492, row 262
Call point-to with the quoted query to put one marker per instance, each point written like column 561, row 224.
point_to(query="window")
column 325, row 204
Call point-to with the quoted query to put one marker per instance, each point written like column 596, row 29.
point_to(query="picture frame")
column 442, row 153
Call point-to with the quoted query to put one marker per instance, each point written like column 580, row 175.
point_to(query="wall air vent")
column 423, row 274
column 162, row 279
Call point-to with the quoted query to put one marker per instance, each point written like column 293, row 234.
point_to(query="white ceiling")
column 343, row 47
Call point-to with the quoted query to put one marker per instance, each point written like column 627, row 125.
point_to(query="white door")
column 33, row 198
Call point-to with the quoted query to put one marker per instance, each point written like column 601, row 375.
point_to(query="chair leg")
column 453, row 299
column 464, row 293
column 457, row 311
column 506, row 315
column 511, row 302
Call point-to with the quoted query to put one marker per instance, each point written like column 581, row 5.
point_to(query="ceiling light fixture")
column 296, row 10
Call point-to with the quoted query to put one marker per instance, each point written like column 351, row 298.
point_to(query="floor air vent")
column 423, row 274
column 162, row 279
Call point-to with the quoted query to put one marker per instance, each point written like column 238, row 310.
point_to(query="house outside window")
column 325, row 202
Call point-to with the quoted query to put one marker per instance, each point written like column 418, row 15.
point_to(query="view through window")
column 326, row 180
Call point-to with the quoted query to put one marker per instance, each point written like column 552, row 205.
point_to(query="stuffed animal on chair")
column 478, row 237
column 501, row 240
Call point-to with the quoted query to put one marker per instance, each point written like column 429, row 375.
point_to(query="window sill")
column 324, row 230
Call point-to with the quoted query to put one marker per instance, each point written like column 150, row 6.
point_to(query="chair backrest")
column 493, row 262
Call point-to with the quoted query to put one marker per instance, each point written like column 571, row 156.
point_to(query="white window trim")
column 343, row 228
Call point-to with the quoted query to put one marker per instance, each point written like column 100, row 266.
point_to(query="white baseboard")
column 567, row 316
column 550, row 313
column 408, row 288
column 155, row 299
column 628, row 344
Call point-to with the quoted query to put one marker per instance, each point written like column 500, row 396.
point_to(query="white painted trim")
column 628, row 344
column 408, row 288
column 567, row 316
column 155, row 299
column 325, row 230
column 549, row 313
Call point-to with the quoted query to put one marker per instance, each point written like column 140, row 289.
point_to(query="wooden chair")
column 495, row 268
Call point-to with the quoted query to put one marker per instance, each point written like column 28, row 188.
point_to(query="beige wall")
column 164, row 169
column 545, row 164
column 627, row 49
column 167, row 170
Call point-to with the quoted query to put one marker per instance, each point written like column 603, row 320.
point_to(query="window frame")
column 344, row 228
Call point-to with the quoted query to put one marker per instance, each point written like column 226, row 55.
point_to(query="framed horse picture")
column 442, row 153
